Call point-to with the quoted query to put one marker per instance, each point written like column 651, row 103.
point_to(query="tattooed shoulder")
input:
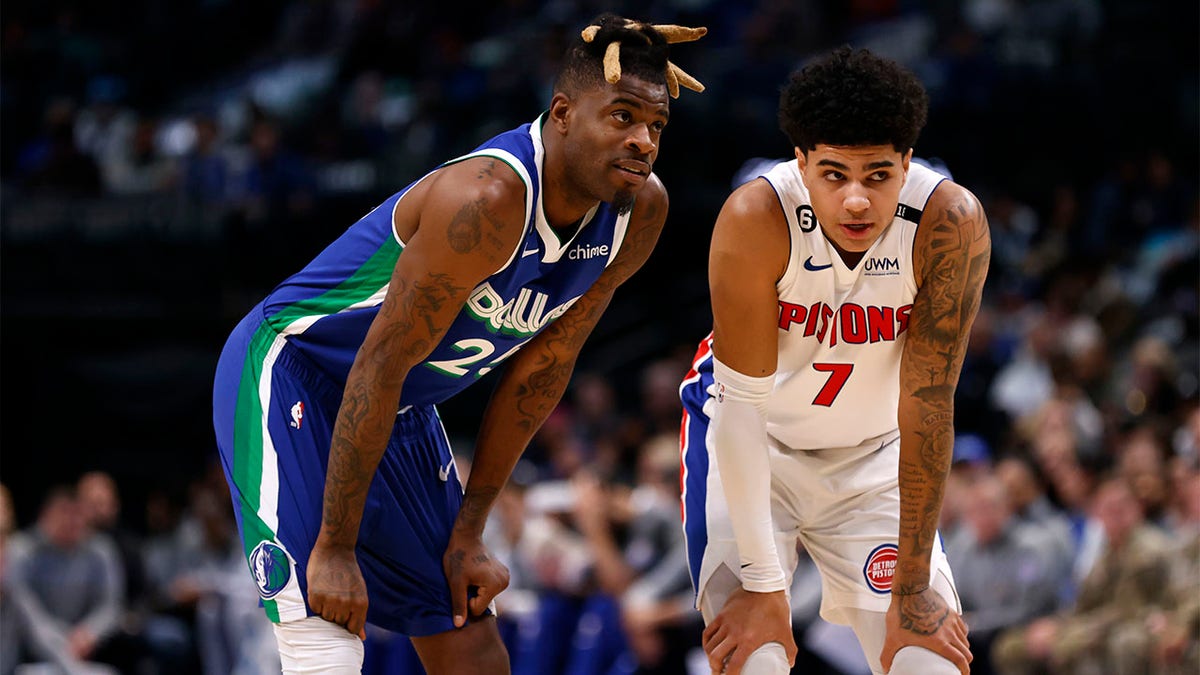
column 954, row 226
column 487, row 218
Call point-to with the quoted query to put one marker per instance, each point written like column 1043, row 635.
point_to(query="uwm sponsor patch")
column 881, row 567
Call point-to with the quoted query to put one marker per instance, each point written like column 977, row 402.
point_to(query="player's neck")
column 564, row 204
column 851, row 258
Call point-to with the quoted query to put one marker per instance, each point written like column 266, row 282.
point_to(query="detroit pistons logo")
column 881, row 567
column 271, row 567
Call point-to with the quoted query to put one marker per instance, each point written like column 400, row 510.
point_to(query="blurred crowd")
column 1072, row 512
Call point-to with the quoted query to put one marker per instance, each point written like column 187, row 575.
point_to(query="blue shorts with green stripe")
column 274, row 412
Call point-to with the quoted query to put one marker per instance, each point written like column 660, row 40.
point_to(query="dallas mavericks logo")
column 271, row 567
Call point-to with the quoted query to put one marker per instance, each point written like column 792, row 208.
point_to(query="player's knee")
column 769, row 659
column 921, row 661
column 314, row 646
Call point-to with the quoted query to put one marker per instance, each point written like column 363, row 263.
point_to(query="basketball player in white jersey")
column 820, row 410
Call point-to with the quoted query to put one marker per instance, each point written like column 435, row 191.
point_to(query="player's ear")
column 801, row 159
column 560, row 110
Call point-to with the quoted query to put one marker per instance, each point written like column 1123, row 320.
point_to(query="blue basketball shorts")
column 274, row 411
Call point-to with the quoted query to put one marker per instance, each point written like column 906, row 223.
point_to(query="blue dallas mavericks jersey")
column 324, row 311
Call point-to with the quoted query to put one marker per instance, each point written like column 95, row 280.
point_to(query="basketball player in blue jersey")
column 819, row 412
column 348, row 501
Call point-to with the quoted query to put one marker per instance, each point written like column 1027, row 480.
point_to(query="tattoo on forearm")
column 956, row 261
column 365, row 419
column 563, row 339
column 476, row 504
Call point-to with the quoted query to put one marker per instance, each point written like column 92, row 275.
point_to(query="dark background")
column 114, row 303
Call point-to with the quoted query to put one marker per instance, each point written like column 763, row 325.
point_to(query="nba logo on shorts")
column 880, row 567
column 272, row 568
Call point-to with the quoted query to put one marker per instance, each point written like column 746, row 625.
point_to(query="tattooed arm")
column 950, row 256
column 530, row 387
column 460, row 225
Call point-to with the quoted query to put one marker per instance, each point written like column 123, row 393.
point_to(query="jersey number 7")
column 838, row 374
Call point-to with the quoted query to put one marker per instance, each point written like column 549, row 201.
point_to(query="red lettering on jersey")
column 826, row 314
column 810, row 328
column 790, row 313
column 902, row 318
column 881, row 324
column 852, row 321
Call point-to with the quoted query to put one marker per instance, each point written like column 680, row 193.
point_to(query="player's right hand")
column 468, row 564
column 336, row 590
column 748, row 621
column 925, row 620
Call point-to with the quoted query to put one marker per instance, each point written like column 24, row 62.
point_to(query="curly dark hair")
column 853, row 97
column 644, row 55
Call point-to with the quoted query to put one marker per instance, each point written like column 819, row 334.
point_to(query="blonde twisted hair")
column 676, row 76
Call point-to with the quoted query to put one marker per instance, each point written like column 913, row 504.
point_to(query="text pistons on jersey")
column 849, row 323
column 523, row 315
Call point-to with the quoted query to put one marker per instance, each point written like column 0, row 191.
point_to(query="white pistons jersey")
column 841, row 330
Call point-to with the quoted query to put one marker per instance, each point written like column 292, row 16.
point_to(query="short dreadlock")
column 613, row 46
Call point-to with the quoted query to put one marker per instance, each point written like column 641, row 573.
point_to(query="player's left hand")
column 468, row 564
column 924, row 620
column 748, row 621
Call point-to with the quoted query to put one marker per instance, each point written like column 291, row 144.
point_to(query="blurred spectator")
column 1143, row 381
column 973, row 411
column 105, row 126
column 971, row 460
column 10, row 636
column 598, row 422
column 1043, row 523
column 139, row 167
column 660, row 407
column 656, row 607
column 52, row 162
column 1013, row 226
column 101, row 505
column 206, row 576
column 1053, row 244
column 1003, row 576
column 1167, row 637
column 1025, row 382
column 8, row 517
column 66, row 587
column 612, row 566
column 206, row 168
column 1141, row 461
column 277, row 186
column 1094, row 287
column 1126, row 581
